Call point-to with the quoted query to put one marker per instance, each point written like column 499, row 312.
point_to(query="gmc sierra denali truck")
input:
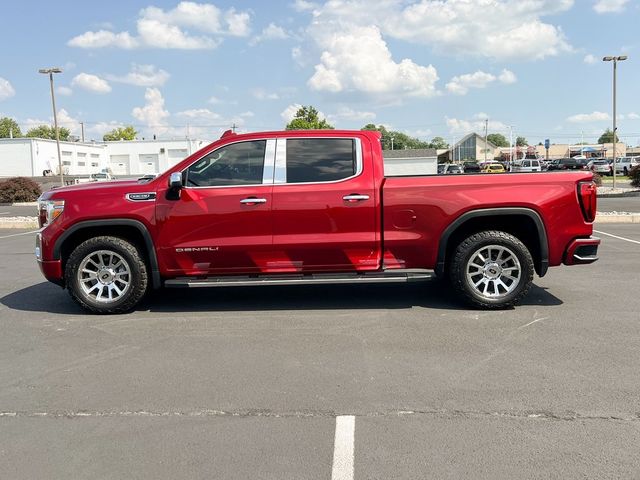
column 292, row 207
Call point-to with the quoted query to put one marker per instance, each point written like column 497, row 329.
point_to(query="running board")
column 392, row 276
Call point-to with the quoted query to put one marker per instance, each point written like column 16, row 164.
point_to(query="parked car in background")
column 493, row 168
column 471, row 167
column 566, row 164
column 527, row 165
column 625, row 164
column 449, row 168
column 600, row 166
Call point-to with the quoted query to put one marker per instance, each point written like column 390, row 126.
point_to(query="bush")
column 19, row 189
column 597, row 178
column 634, row 175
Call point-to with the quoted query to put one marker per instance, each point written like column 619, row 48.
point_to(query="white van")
column 526, row 165
column 625, row 164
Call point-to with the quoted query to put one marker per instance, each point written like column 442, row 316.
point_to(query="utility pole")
column 233, row 128
column 50, row 72
column 82, row 130
column 510, row 144
column 615, row 61
column 486, row 127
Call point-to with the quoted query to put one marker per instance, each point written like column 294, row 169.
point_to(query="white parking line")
column 616, row 236
column 5, row 213
column 343, row 448
column 18, row 234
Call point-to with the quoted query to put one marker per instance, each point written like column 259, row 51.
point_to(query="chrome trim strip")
column 252, row 201
column 269, row 161
column 379, row 277
column 280, row 175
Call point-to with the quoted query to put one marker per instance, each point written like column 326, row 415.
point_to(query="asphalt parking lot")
column 378, row 382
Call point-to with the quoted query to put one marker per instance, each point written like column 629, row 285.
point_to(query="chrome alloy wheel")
column 493, row 271
column 104, row 276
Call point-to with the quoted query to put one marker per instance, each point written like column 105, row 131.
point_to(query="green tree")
column 9, row 127
column 394, row 140
column 307, row 118
column 521, row 142
column 120, row 133
column 607, row 137
column 47, row 132
column 438, row 142
column 497, row 139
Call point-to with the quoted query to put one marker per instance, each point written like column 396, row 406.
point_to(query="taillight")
column 587, row 194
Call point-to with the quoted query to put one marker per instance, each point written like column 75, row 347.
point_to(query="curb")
column 634, row 218
column 29, row 223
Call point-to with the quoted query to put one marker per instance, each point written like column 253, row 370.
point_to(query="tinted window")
column 320, row 159
column 236, row 164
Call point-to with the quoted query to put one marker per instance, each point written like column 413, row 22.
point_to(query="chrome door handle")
column 354, row 197
column 253, row 201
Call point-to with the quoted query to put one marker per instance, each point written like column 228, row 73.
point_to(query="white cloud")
column 304, row 6
column 590, row 59
column 289, row 113
column 6, row 90
column 153, row 113
column 200, row 114
column 349, row 114
column 91, row 83
column 262, row 94
column 64, row 91
column 460, row 85
column 454, row 27
column 104, row 38
column 610, row 6
column 633, row 116
column 271, row 32
column 142, row 76
column 358, row 59
column 589, row 117
column 158, row 28
column 507, row 77
column 476, row 124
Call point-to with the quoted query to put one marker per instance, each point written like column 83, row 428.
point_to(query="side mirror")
column 175, row 186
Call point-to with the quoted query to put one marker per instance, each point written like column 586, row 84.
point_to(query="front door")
column 324, row 206
column 221, row 224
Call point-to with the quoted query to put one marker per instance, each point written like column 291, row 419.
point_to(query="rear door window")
column 312, row 160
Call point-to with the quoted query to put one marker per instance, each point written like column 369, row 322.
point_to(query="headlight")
column 49, row 210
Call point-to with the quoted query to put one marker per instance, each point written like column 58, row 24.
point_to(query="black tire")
column 130, row 275
column 626, row 172
column 466, row 273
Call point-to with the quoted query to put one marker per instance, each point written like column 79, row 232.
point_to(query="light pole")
column 50, row 72
column 615, row 61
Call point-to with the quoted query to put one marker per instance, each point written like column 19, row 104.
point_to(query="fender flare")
column 112, row 222
column 543, row 263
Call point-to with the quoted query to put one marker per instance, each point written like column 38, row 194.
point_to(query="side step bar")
column 392, row 276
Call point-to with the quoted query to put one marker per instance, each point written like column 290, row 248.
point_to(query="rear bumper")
column 582, row 251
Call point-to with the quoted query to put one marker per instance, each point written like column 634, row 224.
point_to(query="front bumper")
column 582, row 251
column 51, row 269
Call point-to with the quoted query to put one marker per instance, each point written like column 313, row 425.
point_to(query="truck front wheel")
column 492, row 269
column 106, row 275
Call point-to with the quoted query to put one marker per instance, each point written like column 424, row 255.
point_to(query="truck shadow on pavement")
column 47, row 298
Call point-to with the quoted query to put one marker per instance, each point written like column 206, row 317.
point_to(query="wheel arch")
column 530, row 230
column 129, row 229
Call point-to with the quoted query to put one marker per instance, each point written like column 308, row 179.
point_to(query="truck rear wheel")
column 492, row 270
column 106, row 275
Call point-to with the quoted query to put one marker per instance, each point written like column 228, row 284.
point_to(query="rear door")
column 324, row 206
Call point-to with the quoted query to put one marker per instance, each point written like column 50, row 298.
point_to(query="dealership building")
column 31, row 157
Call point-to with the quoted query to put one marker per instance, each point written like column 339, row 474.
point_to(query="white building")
column 31, row 157
column 140, row 157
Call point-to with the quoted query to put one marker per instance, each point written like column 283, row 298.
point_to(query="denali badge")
column 141, row 197
column 196, row 249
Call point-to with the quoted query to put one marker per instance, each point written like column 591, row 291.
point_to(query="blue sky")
column 423, row 67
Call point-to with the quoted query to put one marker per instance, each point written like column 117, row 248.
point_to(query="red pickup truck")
column 311, row 207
